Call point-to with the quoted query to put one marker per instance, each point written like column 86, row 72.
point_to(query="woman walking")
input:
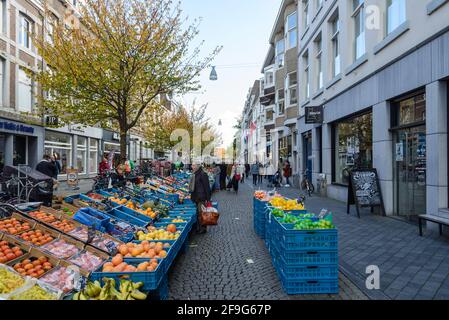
column 200, row 192
column 287, row 172
column 216, row 172
column 255, row 173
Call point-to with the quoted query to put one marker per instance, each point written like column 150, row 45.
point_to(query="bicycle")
column 306, row 184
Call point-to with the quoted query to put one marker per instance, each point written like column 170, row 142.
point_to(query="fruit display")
column 63, row 225
column 61, row 278
column 14, row 226
column 178, row 220
column 128, row 290
column 157, row 234
column 95, row 196
column 314, row 225
column 68, row 212
column 87, row 261
column 43, row 216
column 278, row 213
column 260, row 195
column 287, row 205
column 61, row 249
column 34, row 267
column 118, row 265
column 118, row 201
column 36, row 292
column 9, row 281
column 9, row 252
column 37, row 237
column 145, row 249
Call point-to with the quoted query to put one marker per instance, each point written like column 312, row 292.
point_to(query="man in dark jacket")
column 200, row 190
column 47, row 167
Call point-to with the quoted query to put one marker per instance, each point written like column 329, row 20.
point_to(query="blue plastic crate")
column 151, row 280
column 135, row 214
column 302, row 258
column 297, row 287
column 117, row 213
column 92, row 217
column 291, row 239
column 161, row 293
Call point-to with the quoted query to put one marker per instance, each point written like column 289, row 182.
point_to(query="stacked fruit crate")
column 305, row 260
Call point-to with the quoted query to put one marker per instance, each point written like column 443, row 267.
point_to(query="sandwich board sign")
column 364, row 190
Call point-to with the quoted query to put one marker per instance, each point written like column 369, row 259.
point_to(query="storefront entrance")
column 410, row 157
column 411, row 171
column 308, row 155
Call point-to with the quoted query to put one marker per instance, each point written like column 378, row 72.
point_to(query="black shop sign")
column 364, row 191
column 314, row 115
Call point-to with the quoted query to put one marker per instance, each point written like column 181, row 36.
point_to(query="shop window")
column 60, row 146
column 353, row 146
column 412, row 110
column 81, row 155
column 93, row 156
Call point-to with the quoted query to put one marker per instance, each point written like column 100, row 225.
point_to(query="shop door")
column 411, row 168
column 308, row 156
column 20, row 153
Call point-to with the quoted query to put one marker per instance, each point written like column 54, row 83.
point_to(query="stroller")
column 276, row 180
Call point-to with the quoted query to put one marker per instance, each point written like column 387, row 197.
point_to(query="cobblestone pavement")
column 411, row 267
column 216, row 264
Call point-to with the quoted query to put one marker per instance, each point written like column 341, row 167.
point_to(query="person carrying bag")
column 199, row 188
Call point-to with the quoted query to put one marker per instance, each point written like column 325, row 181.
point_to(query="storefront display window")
column 93, row 156
column 115, row 148
column 59, row 145
column 81, row 154
column 353, row 146
column 412, row 110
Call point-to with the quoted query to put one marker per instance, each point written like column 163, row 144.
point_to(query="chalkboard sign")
column 364, row 190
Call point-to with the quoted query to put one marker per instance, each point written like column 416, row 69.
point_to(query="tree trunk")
column 123, row 144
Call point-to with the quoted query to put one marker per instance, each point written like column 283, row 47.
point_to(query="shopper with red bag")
column 201, row 193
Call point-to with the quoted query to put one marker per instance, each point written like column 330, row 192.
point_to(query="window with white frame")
column 335, row 33
column 396, row 14
column 25, row 30
column 269, row 79
column 49, row 28
column 25, row 91
column 359, row 28
column 3, row 13
column 2, row 79
column 280, row 102
column 93, row 155
column 291, row 30
column 305, row 59
column 81, row 155
column 319, row 62
column 280, row 50
column 305, row 13
column 291, row 91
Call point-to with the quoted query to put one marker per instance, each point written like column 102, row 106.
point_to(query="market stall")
column 303, row 245
column 85, row 248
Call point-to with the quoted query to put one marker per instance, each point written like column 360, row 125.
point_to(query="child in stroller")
column 276, row 180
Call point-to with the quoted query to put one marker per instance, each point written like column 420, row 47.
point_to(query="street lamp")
column 213, row 74
column 220, row 123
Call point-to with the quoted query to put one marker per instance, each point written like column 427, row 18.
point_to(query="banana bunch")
column 94, row 291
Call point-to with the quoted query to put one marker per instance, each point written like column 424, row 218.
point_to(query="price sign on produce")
column 112, row 248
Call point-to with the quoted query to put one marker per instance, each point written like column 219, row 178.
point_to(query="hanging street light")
column 220, row 123
column 213, row 74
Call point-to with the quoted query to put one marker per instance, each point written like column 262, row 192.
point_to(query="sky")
column 243, row 28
